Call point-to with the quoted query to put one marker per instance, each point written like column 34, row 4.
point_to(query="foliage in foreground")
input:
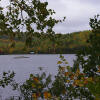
column 81, row 83
column 89, row 57
column 6, row 79
column 65, row 86
column 24, row 18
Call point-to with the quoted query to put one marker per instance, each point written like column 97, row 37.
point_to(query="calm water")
column 24, row 66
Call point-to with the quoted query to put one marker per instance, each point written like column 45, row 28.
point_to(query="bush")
column 66, row 85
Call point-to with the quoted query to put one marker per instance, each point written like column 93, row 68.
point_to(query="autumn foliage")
column 66, row 84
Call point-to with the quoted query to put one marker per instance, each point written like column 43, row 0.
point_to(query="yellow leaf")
column 33, row 85
column 66, row 73
column 82, row 78
column 59, row 62
column 90, row 79
column 62, row 68
column 85, row 82
column 72, row 77
column 81, row 85
column 66, row 62
column 78, row 71
column 47, row 95
column 34, row 95
column 67, row 81
column 98, row 69
column 77, row 82
column 36, row 79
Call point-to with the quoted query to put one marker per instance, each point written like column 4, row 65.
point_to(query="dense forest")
column 46, row 44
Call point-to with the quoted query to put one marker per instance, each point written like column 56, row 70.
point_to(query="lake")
column 24, row 65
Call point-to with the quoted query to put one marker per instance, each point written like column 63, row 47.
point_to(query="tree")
column 7, row 78
column 65, row 86
column 89, row 57
column 26, row 17
column 23, row 19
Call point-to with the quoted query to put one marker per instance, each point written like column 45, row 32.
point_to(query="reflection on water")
column 20, row 57
column 24, row 65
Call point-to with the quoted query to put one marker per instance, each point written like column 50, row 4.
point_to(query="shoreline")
column 38, row 54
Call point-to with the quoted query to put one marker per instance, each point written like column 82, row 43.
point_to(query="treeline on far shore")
column 59, row 43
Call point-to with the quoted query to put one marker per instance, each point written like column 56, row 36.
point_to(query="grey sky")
column 77, row 13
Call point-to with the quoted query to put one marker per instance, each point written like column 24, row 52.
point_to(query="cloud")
column 77, row 12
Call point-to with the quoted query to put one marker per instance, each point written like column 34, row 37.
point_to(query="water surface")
column 24, row 65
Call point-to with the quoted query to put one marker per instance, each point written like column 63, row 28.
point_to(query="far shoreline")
column 38, row 54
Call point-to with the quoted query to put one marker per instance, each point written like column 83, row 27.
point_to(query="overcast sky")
column 77, row 13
